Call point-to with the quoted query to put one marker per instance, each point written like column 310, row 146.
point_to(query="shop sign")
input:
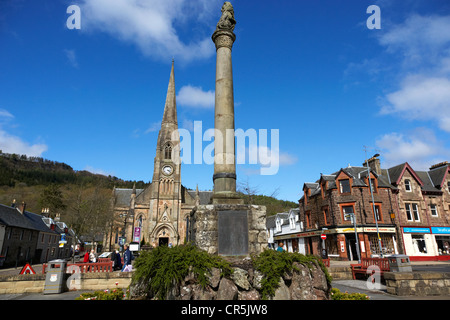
column 440, row 230
column 380, row 229
column 416, row 230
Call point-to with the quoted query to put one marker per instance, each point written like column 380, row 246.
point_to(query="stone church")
column 158, row 213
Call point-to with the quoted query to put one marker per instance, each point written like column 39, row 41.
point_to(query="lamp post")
column 125, row 216
column 373, row 202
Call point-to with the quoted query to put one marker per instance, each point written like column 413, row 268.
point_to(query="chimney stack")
column 23, row 207
column 374, row 164
column 13, row 204
column 438, row 165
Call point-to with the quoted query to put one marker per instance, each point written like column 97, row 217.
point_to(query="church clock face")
column 167, row 170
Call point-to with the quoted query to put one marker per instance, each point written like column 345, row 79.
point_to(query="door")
column 351, row 247
column 163, row 241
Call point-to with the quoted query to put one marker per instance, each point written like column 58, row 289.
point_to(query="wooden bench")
column 382, row 265
column 85, row 267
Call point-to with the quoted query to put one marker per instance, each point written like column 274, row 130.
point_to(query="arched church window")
column 167, row 151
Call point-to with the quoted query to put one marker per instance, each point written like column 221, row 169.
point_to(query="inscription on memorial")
column 233, row 233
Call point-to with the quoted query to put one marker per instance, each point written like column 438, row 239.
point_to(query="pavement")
column 350, row 286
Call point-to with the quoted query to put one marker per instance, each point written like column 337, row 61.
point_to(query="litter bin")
column 54, row 280
column 399, row 263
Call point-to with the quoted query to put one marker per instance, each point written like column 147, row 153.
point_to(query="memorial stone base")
column 229, row 229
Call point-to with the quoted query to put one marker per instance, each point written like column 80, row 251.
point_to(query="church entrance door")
column 163, row 241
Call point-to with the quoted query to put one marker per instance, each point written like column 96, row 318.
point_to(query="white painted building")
column 285, row 227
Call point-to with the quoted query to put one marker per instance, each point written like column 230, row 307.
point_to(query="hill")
column 24, row 178
column 21, row 170
column 273, row 205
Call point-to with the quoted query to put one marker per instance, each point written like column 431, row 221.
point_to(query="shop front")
column 442, row 239
column 427, row 243
column 341, row 244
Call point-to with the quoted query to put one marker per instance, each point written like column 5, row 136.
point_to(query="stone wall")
column 418, row 283
column 34, row 283
column 245, row 284
column 204, row 226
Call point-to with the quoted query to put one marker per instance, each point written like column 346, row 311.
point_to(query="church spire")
column 170, row 109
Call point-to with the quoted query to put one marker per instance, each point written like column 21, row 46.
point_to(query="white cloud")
column 419, row 147
column 155, row 26
column 154, row 127
column 195, row 97
column 422, row 93
column 420, row 39
column 421, row 98
column 5, row 115
column 14, row 144
column 97, row 171
column 71, row 57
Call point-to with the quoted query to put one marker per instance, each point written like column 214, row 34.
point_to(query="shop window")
column 443, row 245
column 412, row 212
column 408, row 185
column 433, row 209
column 387, row 244
column 419, row 244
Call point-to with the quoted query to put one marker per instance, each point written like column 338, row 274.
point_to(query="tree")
column 53, row 199
column 89, row 210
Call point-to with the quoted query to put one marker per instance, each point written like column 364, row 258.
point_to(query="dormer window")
column 292, row 221
column 408, row 186
column 344, row 186
column 278, row 225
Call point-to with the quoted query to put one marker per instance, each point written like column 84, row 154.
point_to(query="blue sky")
column 94, row 97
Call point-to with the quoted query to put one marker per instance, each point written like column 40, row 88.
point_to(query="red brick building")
column 388, row 216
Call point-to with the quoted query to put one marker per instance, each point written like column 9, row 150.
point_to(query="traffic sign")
column 323, row 236
column 27, row 269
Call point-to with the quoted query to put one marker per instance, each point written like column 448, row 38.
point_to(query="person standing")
column 118, row 263
column 86, row 257
column 127, row 257
column 92, row 257
column 280, row 247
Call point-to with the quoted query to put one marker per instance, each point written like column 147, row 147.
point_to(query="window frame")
column 408, row 185
column 341, row 187
column 343, row 206
column 413, row 210
column 436, row 214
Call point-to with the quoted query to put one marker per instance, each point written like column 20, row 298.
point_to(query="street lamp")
column 373, row 202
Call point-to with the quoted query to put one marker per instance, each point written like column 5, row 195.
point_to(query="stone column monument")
column 227, row 226
column 224, row 150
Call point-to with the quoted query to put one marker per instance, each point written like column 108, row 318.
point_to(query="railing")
column 86, row 267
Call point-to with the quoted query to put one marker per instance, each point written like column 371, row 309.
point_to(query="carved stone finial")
column 227, row 21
